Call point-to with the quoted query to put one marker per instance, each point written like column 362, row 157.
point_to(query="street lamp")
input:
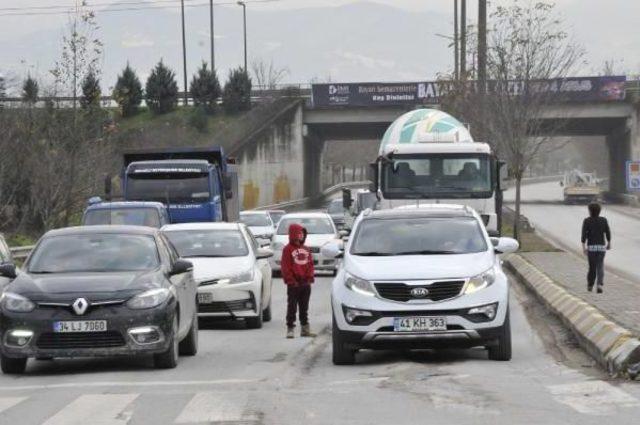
column 244, row 18
column 184, row 56
column 213, row 56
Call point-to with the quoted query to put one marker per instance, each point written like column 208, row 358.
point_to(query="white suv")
column 425, row 277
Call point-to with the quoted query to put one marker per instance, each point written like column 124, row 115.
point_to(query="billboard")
column 578, row 89
column 633, row 176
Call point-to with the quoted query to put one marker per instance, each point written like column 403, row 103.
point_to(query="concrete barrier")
column 612, row 346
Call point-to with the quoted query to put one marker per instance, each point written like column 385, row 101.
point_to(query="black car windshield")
column 168, row 187
column 314, row 225
column 255, row 220
column 94, row 253
column 418, row 236
column 208, row 243
column 130, row 216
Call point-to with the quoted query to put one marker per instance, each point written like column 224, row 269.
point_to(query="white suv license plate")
column 80, row 326
column 418, row 324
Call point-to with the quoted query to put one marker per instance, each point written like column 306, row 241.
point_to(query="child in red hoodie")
column 297, row 273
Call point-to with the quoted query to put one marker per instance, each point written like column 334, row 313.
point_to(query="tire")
column 169, row 358
column 502, row 351
column 341, row 355
column 189, row 345
column 266, row 314
column 13, row 366
column 255, row 322
column 334, row 273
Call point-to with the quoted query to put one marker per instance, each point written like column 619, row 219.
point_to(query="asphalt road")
column 544, row 209
column 258, row 377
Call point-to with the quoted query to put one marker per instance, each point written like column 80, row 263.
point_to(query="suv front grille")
column 50, row 340
column 438, row 291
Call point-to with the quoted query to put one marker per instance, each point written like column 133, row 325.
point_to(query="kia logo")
column 80, row 306
column 419, row 292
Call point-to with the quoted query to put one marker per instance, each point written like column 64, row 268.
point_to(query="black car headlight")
column 149, row 299
column 16, row 303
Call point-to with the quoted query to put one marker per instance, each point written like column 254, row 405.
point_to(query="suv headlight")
column 358, row 285
column 16, row 303
column 149, row 299
column 246, row 276
column 480, row 281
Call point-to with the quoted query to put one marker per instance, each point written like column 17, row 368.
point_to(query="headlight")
column 480, row 281
column 358, row 285
column 246, row 276
column 149, row 299
column 16, row 303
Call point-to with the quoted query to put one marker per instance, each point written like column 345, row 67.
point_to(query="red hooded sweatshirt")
column 297, row 260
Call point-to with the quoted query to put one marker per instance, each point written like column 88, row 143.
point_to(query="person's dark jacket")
column 594, row 231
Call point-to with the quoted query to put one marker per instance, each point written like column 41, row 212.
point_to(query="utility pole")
column 184, row 57
column 482, row 45
column 456, row 70
column 244, row 18
column 463, row 39
column 213, row 55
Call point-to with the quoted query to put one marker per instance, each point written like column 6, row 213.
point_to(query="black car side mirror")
column 8, row 270
column 181, row 266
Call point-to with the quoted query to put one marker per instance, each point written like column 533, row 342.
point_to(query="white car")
column 420, row 278
column 260, row 225
column 230, row 268
column 320, row 230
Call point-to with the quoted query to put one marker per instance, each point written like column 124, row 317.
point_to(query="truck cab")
column 151, row 214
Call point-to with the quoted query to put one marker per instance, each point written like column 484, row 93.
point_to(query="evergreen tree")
column 236, row 96
column 161, row 89
column 128, row 92
column 205, row 88
column 91, row 92
column 30, row 91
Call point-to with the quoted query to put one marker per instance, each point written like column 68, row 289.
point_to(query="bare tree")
column 267, row 75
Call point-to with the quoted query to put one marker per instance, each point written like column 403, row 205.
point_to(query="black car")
column 99, row 291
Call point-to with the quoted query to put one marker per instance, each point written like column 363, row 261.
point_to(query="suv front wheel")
column 502, row 351
column 341, row 354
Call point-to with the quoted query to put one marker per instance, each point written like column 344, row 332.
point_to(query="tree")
column 3, row 91
column 236, row 95
column 205, row 88
column 128, row 92
column 91, row 92
column 30, row 91
column 161, row 89
column 267, row 76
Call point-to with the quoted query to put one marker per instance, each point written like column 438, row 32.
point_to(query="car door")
column 184, row 285
column 5, row 257
column 263, row 265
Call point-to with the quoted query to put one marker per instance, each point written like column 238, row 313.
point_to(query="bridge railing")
column 21, row 252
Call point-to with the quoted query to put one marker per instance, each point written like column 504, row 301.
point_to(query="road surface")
column 258, row 377
column 544, row 209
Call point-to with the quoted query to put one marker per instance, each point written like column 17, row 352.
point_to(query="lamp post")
column 213, row 56
column 184, row 56
column 244, row 19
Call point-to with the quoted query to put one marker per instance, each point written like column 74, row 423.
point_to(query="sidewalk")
column 620, row 300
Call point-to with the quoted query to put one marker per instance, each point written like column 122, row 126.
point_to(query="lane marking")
column 128, row 384
column 9, row 402
column 96, row 409
column 593, row 397
column 210, row 407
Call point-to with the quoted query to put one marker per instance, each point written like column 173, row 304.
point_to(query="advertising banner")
column 633, row 176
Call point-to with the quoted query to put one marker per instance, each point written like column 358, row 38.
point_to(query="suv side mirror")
column 8, row 270
column 505, row 245
column 181, row 266
column 333, row 249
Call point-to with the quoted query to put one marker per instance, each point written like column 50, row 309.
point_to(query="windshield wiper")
column 427, row 252
column 373, row 254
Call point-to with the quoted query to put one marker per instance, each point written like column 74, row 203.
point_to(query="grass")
column 18, row 239
column 529, row 241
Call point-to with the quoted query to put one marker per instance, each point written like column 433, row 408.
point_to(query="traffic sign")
column 633, row 176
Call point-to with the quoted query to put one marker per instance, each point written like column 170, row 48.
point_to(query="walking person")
column 298, row 275
column 596, row 240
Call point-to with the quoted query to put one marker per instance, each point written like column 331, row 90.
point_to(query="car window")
column 314, row 225
column 335, row 207
column 418, row 236
column 131, row 216
column 94, row 253
column 256, row 220
column 254, row 243
column 276, row 216
column 208, row 243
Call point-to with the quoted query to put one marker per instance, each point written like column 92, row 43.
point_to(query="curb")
column 612, row 346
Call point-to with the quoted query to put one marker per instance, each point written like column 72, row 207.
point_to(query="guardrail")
column 21, row 252
column 286, row 205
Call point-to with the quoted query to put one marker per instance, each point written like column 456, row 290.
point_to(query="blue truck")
column 195, row 184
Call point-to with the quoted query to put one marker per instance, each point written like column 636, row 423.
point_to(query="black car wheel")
column 13, row 366
column 341, row 355
column 266, row 314
column 189, row 345
column 502, row 351
column 169, row 358
column 254, row 322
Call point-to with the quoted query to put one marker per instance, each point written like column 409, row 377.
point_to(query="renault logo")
column 419, row 292
column 80, row 306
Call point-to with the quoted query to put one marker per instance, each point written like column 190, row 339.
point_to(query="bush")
column 199, row 119
column 30, row 91
column 205, row 89
column 128, row 92
column 91, row 92
column 162, row 90
column 236, row 96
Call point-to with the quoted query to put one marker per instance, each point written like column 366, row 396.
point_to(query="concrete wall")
column 271, row 162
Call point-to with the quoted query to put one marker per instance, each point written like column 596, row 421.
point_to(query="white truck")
column 428, row 156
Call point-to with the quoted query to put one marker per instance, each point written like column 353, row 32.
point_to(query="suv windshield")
column 256, row 220
column 130, row 216
column 94, row 253
column 418, row 236
column 208, row 243
column 314, row 226
column 168, row 187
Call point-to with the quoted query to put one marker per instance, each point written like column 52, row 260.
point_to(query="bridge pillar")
column 313, row 146
column 619, row 143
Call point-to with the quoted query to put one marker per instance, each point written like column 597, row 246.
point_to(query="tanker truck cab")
column 427, row 156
